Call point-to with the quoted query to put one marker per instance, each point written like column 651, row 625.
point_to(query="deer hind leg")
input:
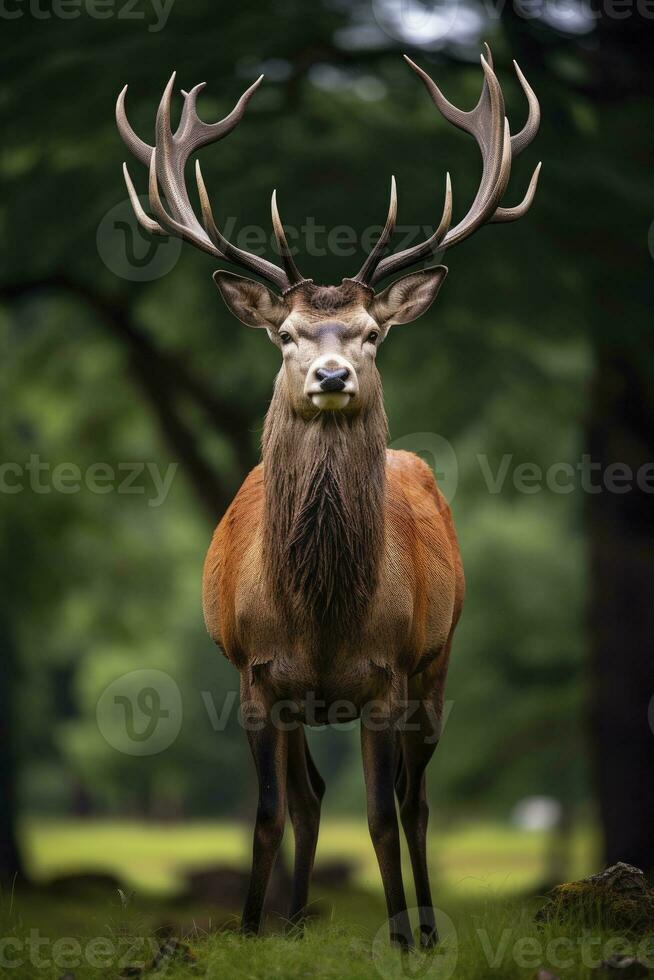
column 305, row 789
column 269, row 748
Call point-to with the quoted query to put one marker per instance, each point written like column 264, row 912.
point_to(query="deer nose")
column 332, row 380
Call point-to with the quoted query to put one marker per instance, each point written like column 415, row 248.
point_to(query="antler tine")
column 530, row 128
column 189, row 112
column 173, row 227
column 487, row 124
column 512, row 214
column 142, row 151
column 450, row 112
column 171, row 162
column 471, row 121
column 233, row 253
column 193, row 134
column 505, row 166
column 292, row 271
column 368, row 268
column 392, row 263
column 167, row 162
column 143, row 219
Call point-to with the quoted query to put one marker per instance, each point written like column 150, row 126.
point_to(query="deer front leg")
column 269, row 746
column 305, row 793
column 379, row 751
column 416, row 751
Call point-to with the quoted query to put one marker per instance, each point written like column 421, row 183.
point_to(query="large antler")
column 489, row 126
column 166, row 161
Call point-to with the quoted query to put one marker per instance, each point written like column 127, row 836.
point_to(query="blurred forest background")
column 539, row 349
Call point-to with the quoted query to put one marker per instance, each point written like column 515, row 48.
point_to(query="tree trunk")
column 10, row 860
column 621, row 431
column 621, row 527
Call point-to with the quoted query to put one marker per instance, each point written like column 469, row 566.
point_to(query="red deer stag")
column 335, row 574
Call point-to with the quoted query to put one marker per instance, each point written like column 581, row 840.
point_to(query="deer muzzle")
column 331, row 383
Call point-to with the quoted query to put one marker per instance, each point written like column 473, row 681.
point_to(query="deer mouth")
column 330, row 401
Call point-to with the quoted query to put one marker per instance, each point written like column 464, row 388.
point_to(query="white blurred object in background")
column 537, row 813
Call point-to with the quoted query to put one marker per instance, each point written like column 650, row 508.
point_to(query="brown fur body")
column 336, row 568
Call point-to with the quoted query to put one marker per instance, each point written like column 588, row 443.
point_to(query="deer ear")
column 250, row 301
column 408, row 298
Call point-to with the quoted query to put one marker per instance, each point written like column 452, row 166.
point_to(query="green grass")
column 482, row 873
column 491, row 939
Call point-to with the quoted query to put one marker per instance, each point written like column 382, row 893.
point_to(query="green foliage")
column 101, row 584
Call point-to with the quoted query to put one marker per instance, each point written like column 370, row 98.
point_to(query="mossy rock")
column 619, row 898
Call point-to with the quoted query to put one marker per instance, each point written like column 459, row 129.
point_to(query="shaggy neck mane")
column 324, row 514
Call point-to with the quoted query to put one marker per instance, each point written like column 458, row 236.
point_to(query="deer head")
column 328, row 335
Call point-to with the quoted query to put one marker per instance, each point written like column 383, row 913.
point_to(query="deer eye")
column 285, row 337
column 372, row 336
